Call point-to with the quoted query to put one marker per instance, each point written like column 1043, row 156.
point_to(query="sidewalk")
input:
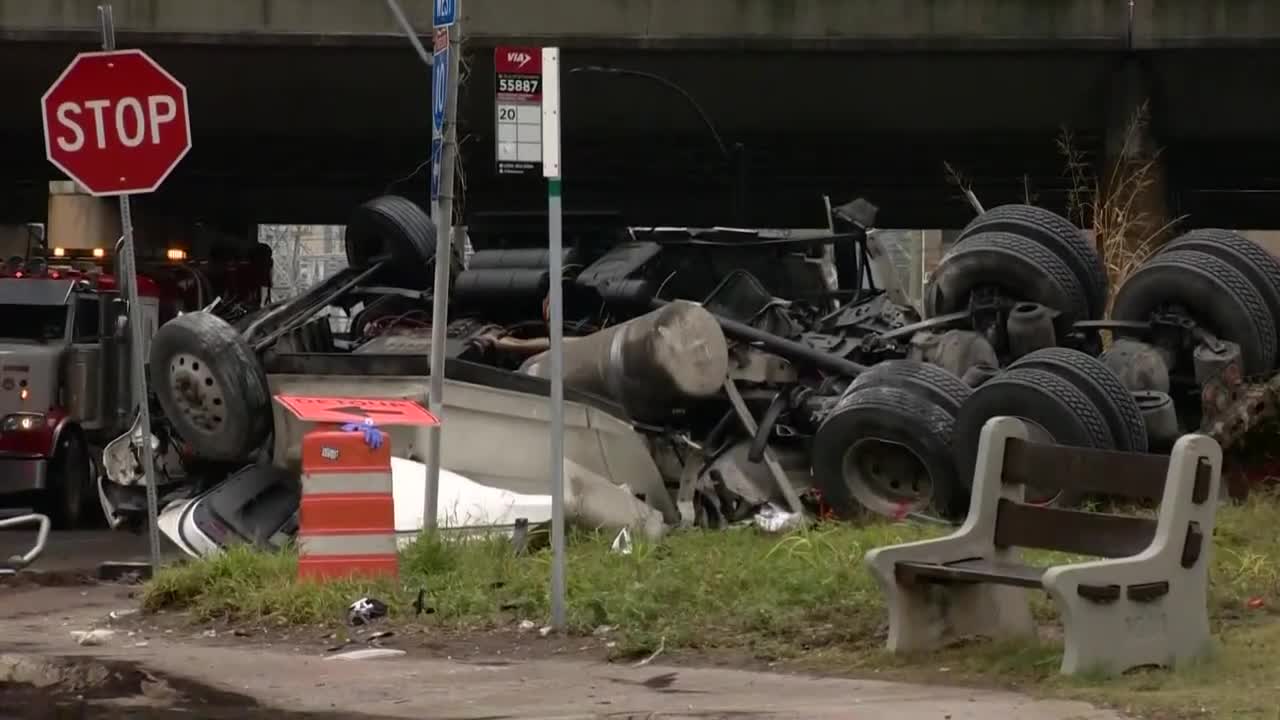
column 497, row 689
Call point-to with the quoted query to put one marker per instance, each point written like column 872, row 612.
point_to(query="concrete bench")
column 1144, row 603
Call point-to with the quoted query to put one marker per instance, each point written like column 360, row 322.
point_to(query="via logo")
column 519, row 58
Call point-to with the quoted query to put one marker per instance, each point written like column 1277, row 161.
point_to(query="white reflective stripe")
column 340, row 482
column 381, row 544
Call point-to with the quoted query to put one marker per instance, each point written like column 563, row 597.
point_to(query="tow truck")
column 65, row 391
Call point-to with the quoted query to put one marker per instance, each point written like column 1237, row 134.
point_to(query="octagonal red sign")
column 116, row 122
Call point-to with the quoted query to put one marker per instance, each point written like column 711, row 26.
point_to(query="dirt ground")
column 156, row 666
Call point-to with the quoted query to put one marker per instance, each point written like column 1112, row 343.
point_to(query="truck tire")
column 1252, row 260
column 1213, row 292
column 211, row 386
column 1057, row 411
column 1096, row 380
column 903, row 430
column 924, row 380
column 392, row 228
column 70, row 500
column 1023, row 268
column 1059, row 235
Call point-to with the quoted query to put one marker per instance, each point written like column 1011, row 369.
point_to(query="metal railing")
column 18, row 562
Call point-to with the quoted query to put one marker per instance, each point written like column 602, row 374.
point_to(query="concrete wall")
column 652, row 23
column 1205, row 23
column 792, row 24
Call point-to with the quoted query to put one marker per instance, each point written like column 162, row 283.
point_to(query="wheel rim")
column 197, row 393
column 1034, row 495
column 888, row 478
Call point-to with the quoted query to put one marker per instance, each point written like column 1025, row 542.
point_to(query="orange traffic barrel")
column 347, row 520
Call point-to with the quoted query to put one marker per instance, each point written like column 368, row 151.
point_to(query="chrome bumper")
column 23, row 474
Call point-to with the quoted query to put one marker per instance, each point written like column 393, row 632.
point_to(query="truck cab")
column 64, row 382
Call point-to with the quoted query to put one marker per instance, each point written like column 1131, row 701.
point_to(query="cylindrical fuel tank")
column 649, row 363
column 490, row 286
column 532, row 258
column 81, row 368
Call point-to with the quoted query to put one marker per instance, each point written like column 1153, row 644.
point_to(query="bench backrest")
column 1086, row 470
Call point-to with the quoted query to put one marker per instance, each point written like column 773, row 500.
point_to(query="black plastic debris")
column 420, row 605
column 366, row 610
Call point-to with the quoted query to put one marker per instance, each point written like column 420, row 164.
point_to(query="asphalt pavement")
column 81, row 550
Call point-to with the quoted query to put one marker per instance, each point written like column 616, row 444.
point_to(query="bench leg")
column 1110, row 638
column 925, row 616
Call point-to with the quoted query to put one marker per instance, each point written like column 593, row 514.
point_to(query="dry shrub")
column 1125, row 231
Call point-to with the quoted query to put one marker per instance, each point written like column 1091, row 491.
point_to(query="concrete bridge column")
column 1134, row 202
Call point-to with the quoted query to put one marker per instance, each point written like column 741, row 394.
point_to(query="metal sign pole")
column 446, row 22
column 137, row 335
column 551, row 170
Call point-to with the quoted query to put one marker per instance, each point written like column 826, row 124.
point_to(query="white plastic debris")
column 662, row 645
column 92, row 637
column 773, row 519
column 463, row 504
column 622, row 543
column 118, row 614
column 367, row 654
column 526, row 625
column 593, row 502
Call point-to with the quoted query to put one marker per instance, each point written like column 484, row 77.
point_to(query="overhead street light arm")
column 734, row 158
column 706, row 119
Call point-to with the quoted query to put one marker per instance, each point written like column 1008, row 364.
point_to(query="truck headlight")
column 20, row 422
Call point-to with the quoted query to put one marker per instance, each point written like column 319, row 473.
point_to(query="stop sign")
column 116, row 122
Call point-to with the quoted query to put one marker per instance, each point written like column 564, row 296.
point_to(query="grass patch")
column 803, row 598
column 699, row 590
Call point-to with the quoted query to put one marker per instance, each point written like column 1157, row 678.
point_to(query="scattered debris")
column 662, row 645
column 420, row 603
column 773, row 519
column 210, row 633
column 120, row 614
column 622, row 543
column 526, row 625
column 545, row 630
column 366, row 610
column 367, row 654
column 92, row 637
column 126, row 573
column 373, row 637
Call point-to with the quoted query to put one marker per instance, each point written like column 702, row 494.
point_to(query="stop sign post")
column 116, row 122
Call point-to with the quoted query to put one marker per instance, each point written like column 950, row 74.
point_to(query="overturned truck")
column 715, row 372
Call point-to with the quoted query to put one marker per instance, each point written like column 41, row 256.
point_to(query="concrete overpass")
column 303, row 107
